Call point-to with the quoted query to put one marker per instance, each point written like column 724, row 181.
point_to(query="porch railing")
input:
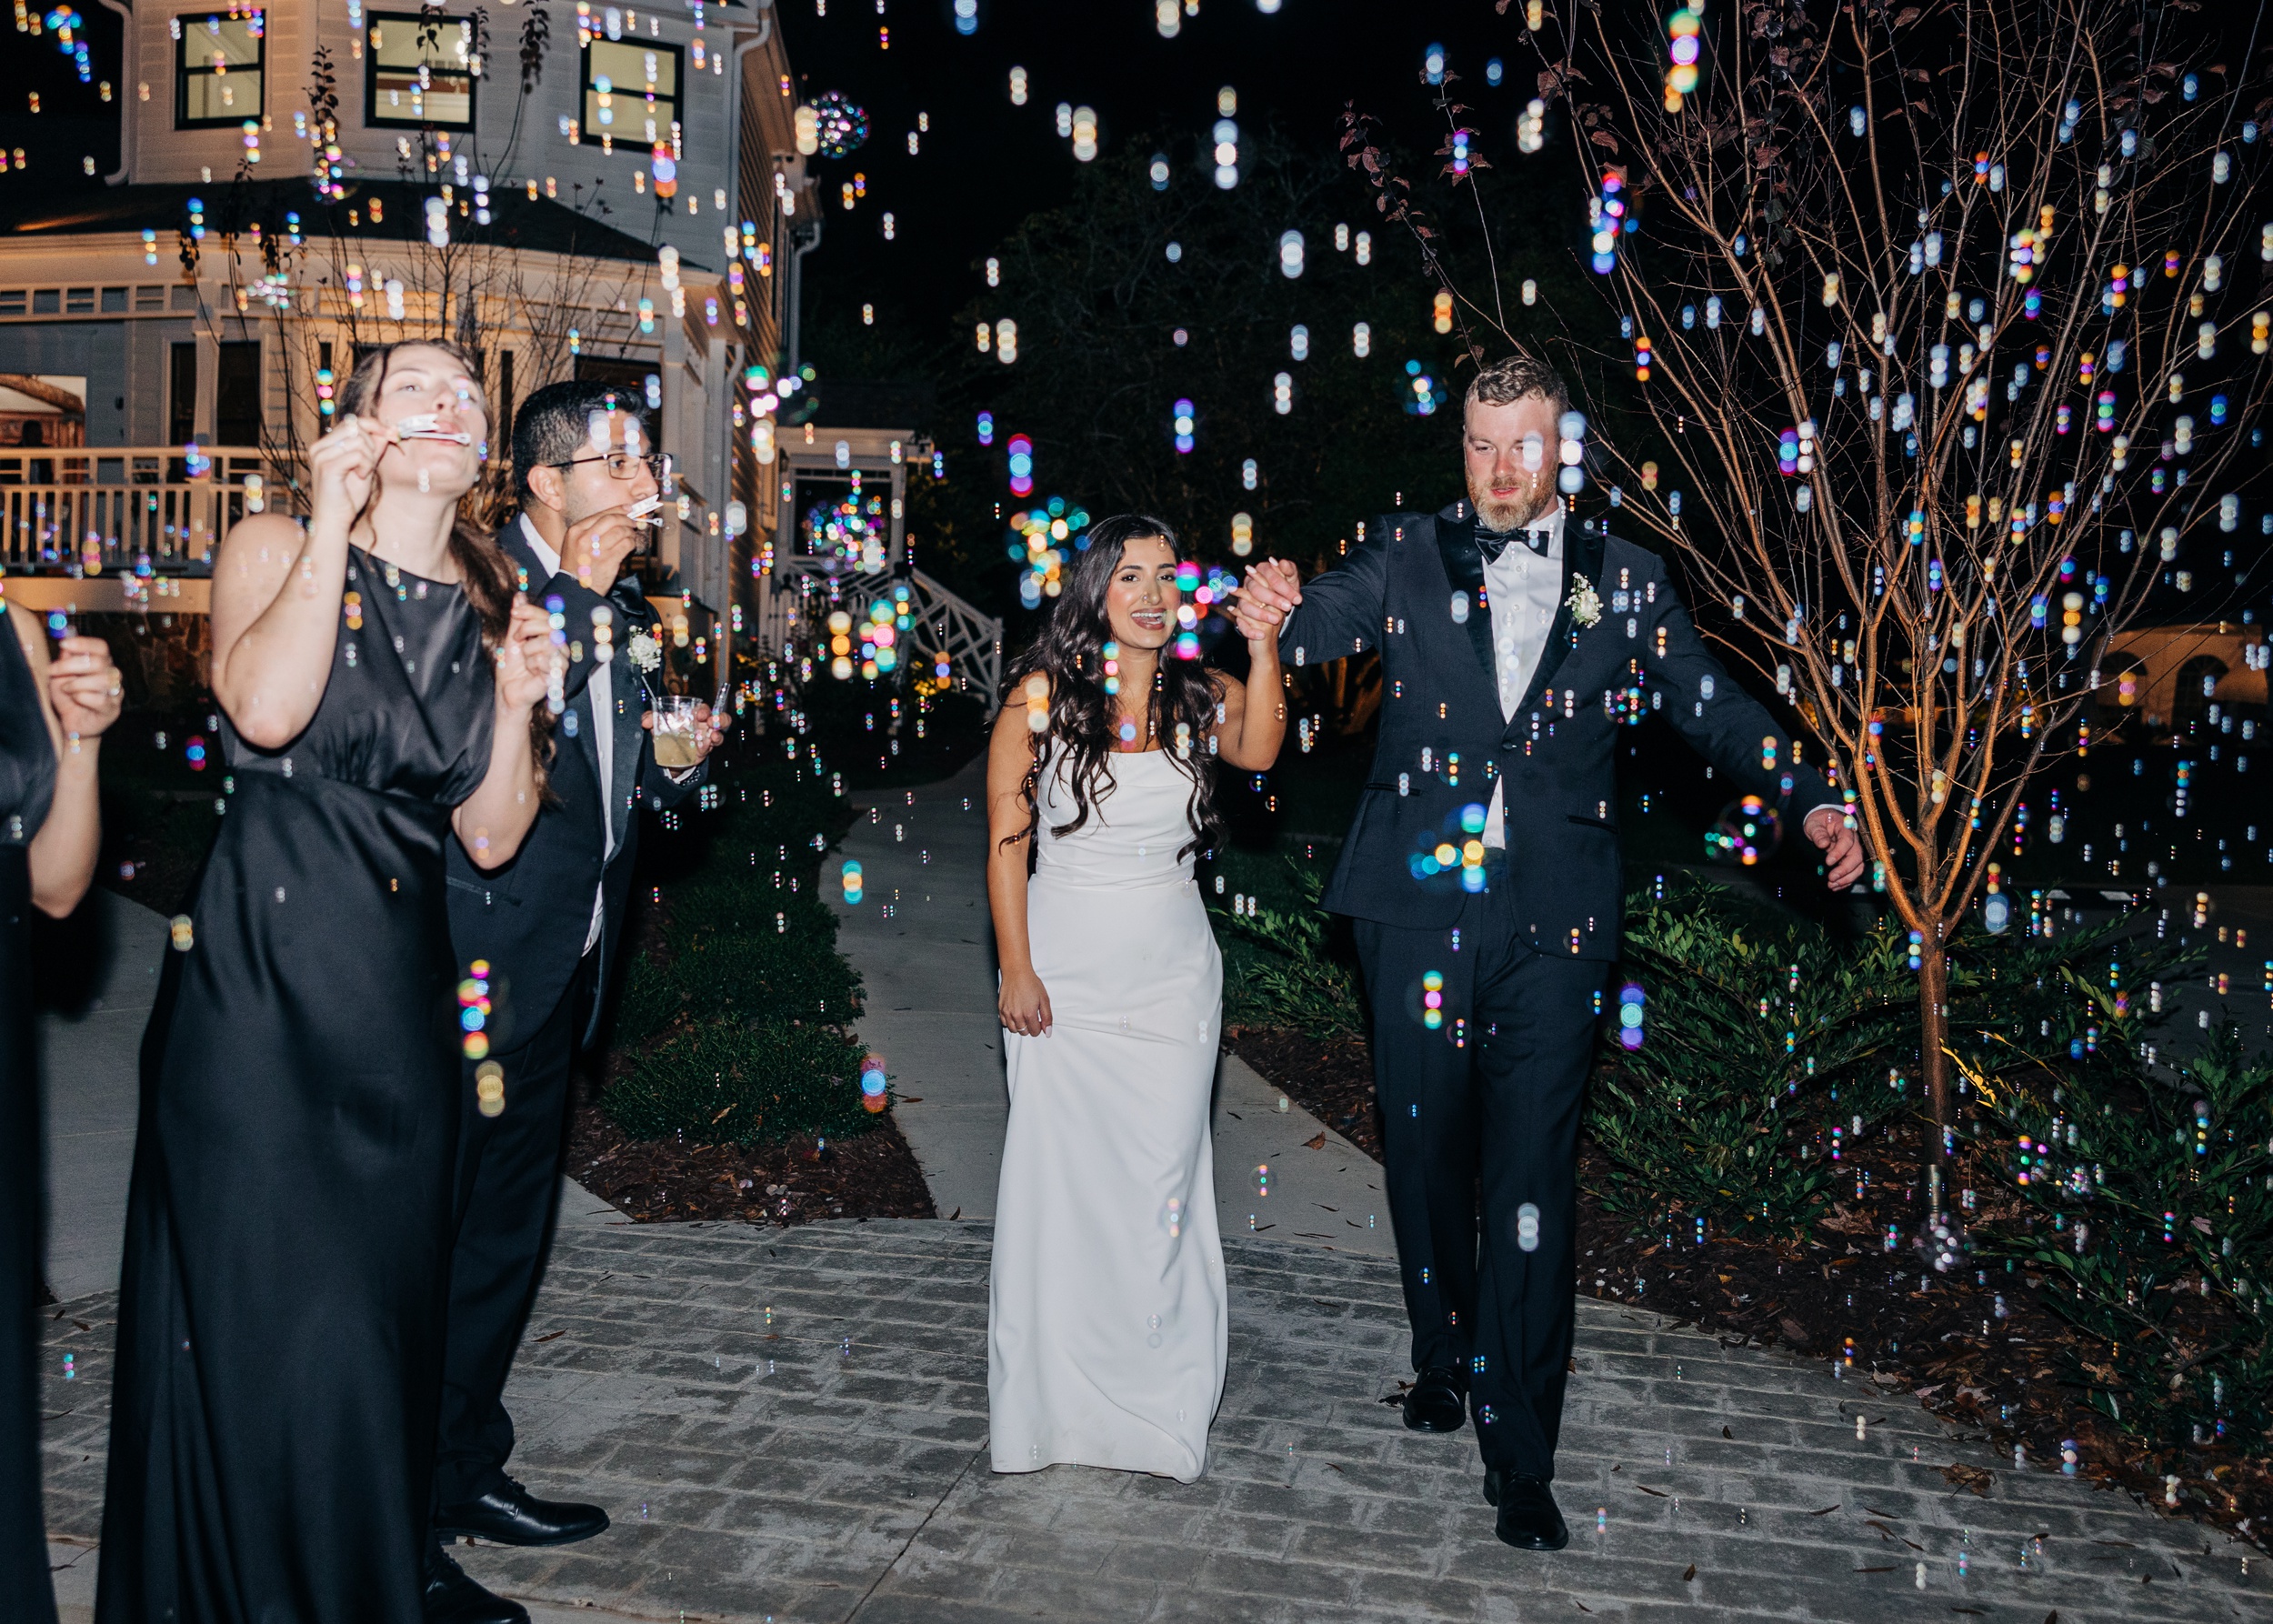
column 90, row 509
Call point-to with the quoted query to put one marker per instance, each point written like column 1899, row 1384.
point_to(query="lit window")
column 218, row 69
column 419, row 71
column 631, row 92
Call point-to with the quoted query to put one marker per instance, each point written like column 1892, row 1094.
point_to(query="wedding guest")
column 1501, row 622
column 53, row 715
column 381, row 687
column 1105, row 1321
column 548, row 926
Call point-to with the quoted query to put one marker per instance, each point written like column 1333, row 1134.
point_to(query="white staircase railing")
column 798, row 603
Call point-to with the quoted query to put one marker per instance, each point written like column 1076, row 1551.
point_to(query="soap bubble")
column 1747, row 832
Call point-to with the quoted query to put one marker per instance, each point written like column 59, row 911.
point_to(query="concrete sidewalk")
column 791, row 1426
column 924, row 944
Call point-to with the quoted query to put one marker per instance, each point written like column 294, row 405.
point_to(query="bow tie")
column 1492, row 543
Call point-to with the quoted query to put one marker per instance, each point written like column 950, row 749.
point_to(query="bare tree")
column 1950, row 321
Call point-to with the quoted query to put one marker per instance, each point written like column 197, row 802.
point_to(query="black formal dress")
column 1481, row 1110
column 547, row 925
column 288, row 1231
column 27, row 782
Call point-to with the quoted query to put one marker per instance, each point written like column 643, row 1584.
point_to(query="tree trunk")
column 1933, row 1028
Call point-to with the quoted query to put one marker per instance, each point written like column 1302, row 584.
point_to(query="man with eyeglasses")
column 547, row 926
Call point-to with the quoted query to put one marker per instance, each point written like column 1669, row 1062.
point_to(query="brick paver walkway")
column 831, row 1466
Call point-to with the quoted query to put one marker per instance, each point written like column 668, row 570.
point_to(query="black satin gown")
column 28, row 783
column 287, row 1234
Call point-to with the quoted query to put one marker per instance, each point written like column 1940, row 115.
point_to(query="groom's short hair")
column 1513, row 378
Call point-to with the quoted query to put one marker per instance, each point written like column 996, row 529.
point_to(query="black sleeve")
column 659, row 789
column 1341, row 611
column 1722, row 722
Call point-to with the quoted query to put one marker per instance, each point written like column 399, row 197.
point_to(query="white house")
column 580, row 190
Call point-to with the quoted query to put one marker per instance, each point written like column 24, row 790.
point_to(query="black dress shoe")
column 1438, row 1402
column 1528, row 1517
column 453, row 1597
column 510, row 1515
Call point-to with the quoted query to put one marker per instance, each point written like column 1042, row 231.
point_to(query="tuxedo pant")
column 1480, row 1112
column 507, row 1197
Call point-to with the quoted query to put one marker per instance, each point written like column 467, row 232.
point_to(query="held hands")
column 1842, row 847
column 527, row 658
column 83, row 684
column 710, row 731
column 1024, row 1003
column 596, row 546
column 1265, row 598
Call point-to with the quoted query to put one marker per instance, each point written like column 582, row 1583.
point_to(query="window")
column 236, row 394
column 631, row 92
column 419, row 71
column 217, row 69
column 181, row 403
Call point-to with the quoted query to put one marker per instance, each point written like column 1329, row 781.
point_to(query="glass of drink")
column 675, row 731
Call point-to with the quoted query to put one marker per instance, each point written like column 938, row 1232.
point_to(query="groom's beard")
column 1534, row 504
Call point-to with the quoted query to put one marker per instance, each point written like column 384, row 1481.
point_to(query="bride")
column 1106, row 1323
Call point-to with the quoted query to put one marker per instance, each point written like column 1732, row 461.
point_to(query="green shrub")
column 720, row 1081
column 1761, row 1037
column 743, row 982
column 1288, row 975
column 2144, row 1195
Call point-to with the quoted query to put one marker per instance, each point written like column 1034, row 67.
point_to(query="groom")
column 1481, row 876
column 547, row 925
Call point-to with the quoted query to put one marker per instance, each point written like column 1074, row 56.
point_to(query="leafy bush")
column 1762, row 1040
column 744, row 983
column 724, row 1080
column 1292, row 977
column 2145, row 1196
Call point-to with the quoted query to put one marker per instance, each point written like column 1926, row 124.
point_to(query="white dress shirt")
column 1524, row 590
column 602, row 689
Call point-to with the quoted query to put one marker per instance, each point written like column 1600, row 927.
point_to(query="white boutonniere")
column 646, row 653
column 1584, row 603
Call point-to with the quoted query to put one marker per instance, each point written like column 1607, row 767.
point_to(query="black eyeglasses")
column 622, row 464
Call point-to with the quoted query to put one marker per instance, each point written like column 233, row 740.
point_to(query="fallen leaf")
column 1876, row 1512
column 1729, row 1435
column 956, row 1214
column 1974, row 1610
column 1826, row 1511
column 1975, row 1477
column 1316, row 1142
column 1646, row 1489
column 1874, row 1570
column 911, row 1099
column 551, row 1336
column 1691, row 1574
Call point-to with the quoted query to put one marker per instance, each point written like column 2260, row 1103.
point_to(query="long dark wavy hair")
column 1070, row 650
column 487, row 573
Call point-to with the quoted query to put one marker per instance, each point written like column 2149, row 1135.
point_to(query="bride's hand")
column 1024, row 1003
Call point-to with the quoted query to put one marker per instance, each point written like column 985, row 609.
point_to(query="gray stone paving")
column 762, row 1472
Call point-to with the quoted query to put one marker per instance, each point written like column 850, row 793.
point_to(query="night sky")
column 987, row 164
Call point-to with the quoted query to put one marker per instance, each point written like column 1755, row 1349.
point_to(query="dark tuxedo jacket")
column 1444, row 742
column 530, row 919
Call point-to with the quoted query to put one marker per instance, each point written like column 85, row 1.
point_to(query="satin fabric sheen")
column 28, row 783
column 1105, row 1323
column 281, row 1309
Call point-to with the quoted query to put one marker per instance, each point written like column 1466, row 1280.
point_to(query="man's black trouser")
column 508, row 1194
column 1481, row 1113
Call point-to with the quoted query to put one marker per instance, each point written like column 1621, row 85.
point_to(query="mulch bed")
column 797, row 1181
column 1842, row 1296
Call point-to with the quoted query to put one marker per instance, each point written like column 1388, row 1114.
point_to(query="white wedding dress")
column 1105, row 1324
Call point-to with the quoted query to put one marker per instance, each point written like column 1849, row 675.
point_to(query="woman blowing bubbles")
column 1105, row 1326
column 286, row 1237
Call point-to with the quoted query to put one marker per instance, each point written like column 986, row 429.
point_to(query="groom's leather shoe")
column 1438, row 1402
column 1528, row 1517
column 452, row 1596
column 510, row 1515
